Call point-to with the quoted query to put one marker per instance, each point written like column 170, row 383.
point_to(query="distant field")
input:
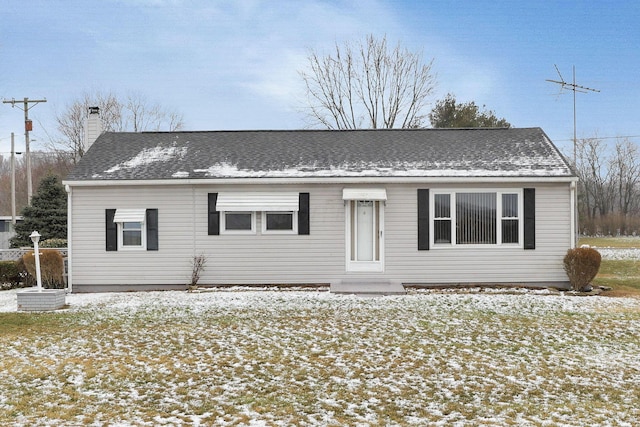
column 611, row 242
column 620, row 268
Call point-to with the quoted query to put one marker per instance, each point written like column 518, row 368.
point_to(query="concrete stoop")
column 367, row 287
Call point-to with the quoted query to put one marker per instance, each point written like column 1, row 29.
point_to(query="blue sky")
column 234, row 64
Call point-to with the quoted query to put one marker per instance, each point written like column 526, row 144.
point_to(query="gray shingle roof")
column 522, row 152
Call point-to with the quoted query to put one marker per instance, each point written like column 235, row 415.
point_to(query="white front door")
column 364, row 235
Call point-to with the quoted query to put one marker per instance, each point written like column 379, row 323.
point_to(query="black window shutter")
column 111, row 230
column 152, row 229
column 529, row 218
column 423, row 219
column 213, row 216
column 303, row 213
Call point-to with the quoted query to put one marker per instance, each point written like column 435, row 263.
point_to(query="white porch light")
column 35, row 238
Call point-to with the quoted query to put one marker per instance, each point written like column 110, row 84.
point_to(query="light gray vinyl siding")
column 231, row 258
column 277, row 258
column 92, row 264
column 485, row 264
column 295, row 259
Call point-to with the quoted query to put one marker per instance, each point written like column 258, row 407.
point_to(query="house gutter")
column 317, row 180
column 69, row 191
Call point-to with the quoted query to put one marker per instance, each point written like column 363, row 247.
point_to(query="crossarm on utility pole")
column 27, row 128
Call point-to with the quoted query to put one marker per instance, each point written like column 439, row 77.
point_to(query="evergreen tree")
column 47, row 214
column 448, row 113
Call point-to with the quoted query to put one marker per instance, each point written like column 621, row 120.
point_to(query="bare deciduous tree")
column 625, row 167
column 132, row 113
column 139, row 114
column 609, row 185
column 369, row 86
column 595, row 176
column 42, row 164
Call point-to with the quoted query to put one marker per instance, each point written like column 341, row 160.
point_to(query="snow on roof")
column 148, row 156
column 526, row 152
column 450, row 169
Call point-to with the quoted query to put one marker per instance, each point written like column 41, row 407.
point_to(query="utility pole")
column 13, row 181
column 28, row 126
column 575, row 88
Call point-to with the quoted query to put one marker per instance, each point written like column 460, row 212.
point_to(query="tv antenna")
column 574, row 88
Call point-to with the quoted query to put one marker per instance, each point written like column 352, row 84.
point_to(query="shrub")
column 54, row 243
column 197, row 265
column 9, row 275
column 581, row 265
column 26, row 279
column 51, row 268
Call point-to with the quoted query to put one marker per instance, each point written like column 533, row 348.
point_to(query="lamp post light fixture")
column 40, row 299
column 35, row 238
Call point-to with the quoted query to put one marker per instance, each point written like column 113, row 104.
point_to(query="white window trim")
column 364, row 266
column 294, row 222
column 223, row 228
column 453, row 215
column 143, row 237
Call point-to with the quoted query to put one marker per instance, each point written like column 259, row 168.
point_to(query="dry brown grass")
column 308, row 360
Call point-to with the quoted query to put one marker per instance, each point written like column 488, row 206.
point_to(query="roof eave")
column 325, row 180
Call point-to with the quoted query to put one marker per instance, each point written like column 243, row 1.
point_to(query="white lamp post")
column 35, row 238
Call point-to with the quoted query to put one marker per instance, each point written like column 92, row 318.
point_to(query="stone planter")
column 48, row 299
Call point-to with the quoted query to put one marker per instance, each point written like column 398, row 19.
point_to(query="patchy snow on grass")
column 619, row 253
column 308, row 357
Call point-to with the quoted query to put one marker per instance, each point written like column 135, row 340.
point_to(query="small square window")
column 279, row 222
column 238, row 222
column 132, row 234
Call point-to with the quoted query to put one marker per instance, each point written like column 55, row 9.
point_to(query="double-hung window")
column 442, row 218
column 477, row 218
column 510, row 219
column 132, row 234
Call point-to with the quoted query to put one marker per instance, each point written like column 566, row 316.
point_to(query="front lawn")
column 312, row 358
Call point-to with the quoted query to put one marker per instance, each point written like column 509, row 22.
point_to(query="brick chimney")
column 93, row 128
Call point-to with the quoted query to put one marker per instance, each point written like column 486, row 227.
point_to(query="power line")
column 601, row 137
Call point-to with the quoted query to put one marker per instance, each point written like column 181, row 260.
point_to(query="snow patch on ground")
column 261, row 357
column 619, row 253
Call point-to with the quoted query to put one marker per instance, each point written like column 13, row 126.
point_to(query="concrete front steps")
column 367, row 287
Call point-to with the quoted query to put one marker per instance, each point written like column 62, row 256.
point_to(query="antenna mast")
column 575, row 88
